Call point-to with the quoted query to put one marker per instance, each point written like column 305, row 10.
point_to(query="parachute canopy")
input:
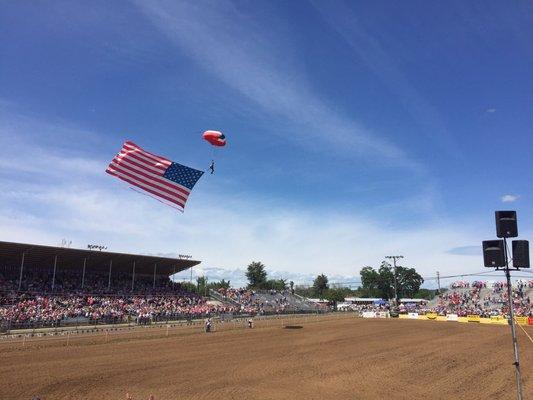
column 216, row 138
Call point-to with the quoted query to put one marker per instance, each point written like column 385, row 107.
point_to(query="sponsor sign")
column 369, row 314
column 498, row 319
column 521, row 320
column 432, row 316
column 530, row 321
column 413, row 315
column 452, row 317
column 473, row 318
column 382, row 314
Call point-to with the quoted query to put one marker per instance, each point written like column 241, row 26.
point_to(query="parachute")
column 217, row 139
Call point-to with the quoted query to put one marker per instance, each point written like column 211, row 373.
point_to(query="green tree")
column 386, row 281
column 201, row 285
column 334, row 295
column 223, row 284
column 409, row 281
column 427, row 294
column 320, row 285
column 188, row 286
column 256, row 275
column 275, row 284
column 370, row 282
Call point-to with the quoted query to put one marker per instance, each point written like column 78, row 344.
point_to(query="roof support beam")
column 54, row 275
column 133, row 277
column 21, row 269
column 109, row 280
column 83, row 273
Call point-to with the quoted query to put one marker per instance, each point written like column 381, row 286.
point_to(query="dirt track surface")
column 343, row 358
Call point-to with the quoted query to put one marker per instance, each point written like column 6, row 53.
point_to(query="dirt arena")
column 328, row 358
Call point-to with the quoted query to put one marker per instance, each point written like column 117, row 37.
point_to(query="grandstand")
column 45, row 286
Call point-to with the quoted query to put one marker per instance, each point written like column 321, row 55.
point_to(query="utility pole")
column 438, row 282
column 394, row 258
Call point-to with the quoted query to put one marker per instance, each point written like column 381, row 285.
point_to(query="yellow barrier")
column 403, row 316
column 462, row 319
column 432, row 316
column 521, row 320
column 498, row 320
column 441, row 318
column 473, row 318
column 485, row 321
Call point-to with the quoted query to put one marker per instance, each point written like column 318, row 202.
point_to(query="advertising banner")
column 521, row 320
column 413, row 315
column 452, row 317
column 473, row 318
column 369, row 314
column 431, row 316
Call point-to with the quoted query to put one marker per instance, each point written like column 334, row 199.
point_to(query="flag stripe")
column 139, row 168
column 156, row 167
column 149, row 155
column 135, row 182
column 156, row 184
column 158, row 177
column 133, row 152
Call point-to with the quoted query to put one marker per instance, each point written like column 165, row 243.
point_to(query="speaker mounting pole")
column 512, row 323
column 495, row 255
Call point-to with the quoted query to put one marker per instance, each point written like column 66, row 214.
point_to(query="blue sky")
column 355, row 130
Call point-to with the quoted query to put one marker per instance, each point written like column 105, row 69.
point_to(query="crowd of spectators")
column 481, row 298
column 100, row 299
column 67, row 297
column 258, row 302
column 485, row 299
column 39, row 303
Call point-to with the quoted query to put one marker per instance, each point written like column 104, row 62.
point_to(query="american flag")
column 167, row 181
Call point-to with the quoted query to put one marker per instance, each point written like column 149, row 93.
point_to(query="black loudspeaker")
column 520, row 254
column 506, row 224
column 493, row 253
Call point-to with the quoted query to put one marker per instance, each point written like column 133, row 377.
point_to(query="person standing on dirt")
column 250, row 323
column 207, row 325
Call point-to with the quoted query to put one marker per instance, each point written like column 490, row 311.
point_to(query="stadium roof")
column 40, row 256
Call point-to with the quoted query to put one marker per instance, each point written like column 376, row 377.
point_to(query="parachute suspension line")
column 212, row 166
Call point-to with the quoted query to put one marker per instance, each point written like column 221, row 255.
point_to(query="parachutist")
column 212, row 167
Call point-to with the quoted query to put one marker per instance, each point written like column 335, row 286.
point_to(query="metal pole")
column 191, row 275
column 109, row 280
column 54, row 275
column 83, row 274
column 395, row 283
column 21, row 268
column 396, row 299
column 133, row 277
column 155, row 267
column 438, row 281
column 513, row 329
column 173, row 280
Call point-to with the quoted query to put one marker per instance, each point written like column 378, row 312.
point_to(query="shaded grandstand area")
column 23, row 260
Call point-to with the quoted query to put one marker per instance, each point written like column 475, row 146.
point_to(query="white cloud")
column 490, row 110
column 509, row 198
column 75, row 199
column 247, row 62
